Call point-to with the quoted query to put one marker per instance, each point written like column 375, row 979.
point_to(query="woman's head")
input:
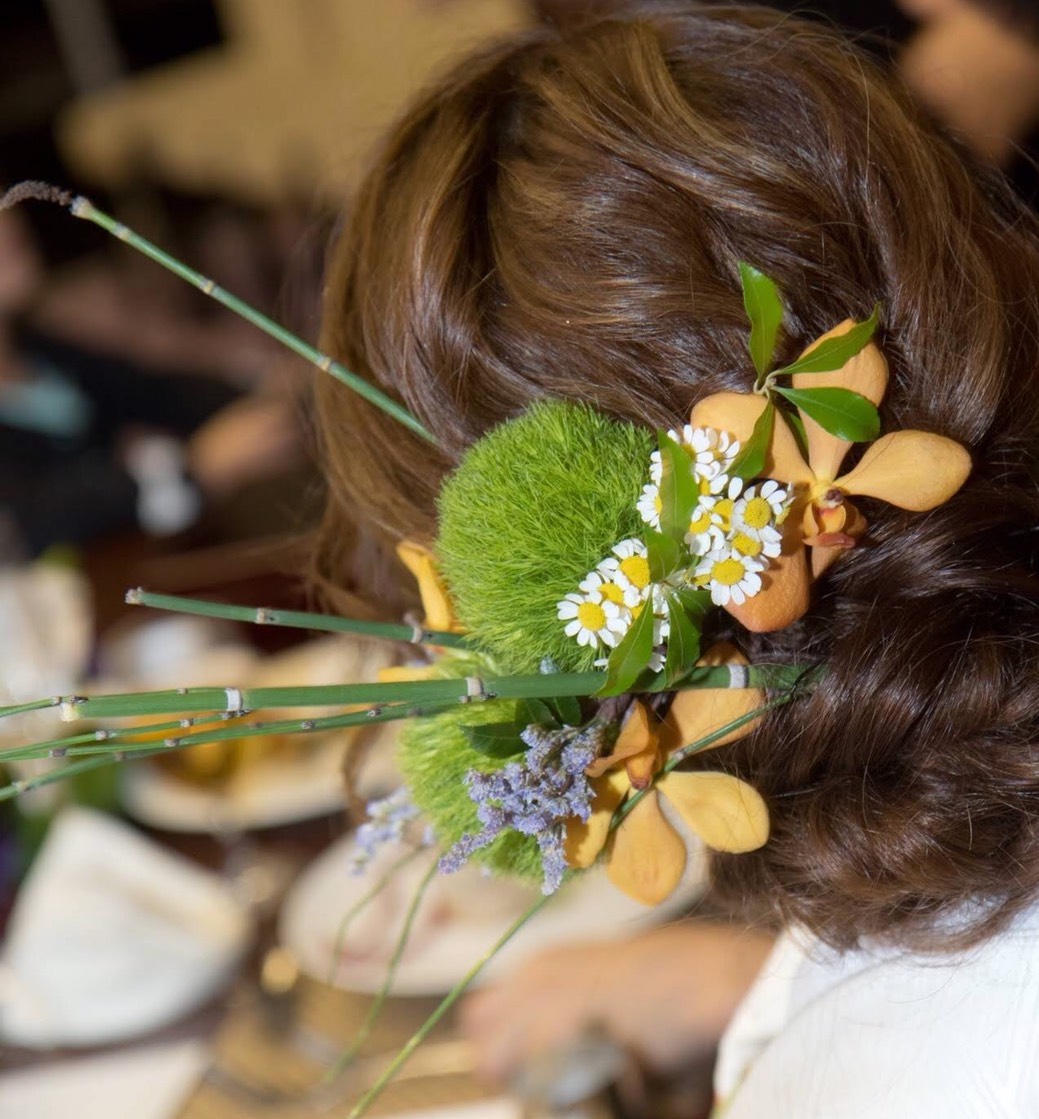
column 563, row 216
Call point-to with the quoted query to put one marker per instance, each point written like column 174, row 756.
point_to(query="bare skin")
column 665, row 995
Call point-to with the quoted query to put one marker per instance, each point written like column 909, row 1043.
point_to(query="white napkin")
column 151, row 1082
column 485, row 1109
column 112, row 937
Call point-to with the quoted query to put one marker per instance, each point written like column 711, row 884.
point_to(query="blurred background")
column 175, row 942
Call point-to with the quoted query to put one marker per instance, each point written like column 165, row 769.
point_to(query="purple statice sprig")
column 387, row 820
column 534, row 796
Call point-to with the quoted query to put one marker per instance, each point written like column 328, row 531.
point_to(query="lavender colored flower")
column 387, row 819
column 535, row 796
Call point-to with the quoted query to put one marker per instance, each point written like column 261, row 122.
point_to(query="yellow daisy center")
column 658, row 504
column 757, row 513
column 724, row 510
column 636, row 568
column 746, row 545
column 636, row 610
column 701, row 523
column 591, row 616
column 727, row 572
column 612, row 593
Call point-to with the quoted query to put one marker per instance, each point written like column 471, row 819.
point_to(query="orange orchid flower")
column 436, row 602
column 645, row 855
column 914, row 470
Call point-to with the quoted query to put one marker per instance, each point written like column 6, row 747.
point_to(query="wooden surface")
column 247, row 1049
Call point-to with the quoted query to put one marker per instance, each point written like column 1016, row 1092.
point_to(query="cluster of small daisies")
column 733, row 534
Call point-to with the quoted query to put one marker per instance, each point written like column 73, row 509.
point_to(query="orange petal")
column 865, row 373
column 436, row 603
column 637, row 739
column 736, row 413
column 911, row 469
column 825, row 551
column 786, row 586
column 586, row 838
column 725, row 812
column 696, row 713
column 648, row 856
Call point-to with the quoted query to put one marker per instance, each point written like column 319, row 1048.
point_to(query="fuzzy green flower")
column 532, row 508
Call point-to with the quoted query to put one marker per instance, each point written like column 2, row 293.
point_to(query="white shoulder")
column 873, row 1035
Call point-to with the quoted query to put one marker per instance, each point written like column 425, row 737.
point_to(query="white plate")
column 276, row 789
column 461, row 917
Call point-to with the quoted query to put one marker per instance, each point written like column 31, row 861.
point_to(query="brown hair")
column 563, row 216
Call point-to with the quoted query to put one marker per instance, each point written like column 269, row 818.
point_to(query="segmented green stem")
column 386, row 987
column 83, row 208
column 445, row 1004
column 292, row 619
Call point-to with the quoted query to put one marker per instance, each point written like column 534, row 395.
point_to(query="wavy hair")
column 563, row 216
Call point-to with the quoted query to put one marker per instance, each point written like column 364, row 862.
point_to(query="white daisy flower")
column 713, row 451
column 630, row 556
column 683, row 438
column 612, row 586
column 649, row 505
column 593, row 623
column 730, row 576
column 761, row 507
column 764, row 543
column 705, row 534
column 723, row 506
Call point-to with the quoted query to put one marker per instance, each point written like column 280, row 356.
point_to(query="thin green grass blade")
column 291, row 619
column 82, row 207
column 386, row 987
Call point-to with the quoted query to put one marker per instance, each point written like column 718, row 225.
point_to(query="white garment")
column 881, row 1034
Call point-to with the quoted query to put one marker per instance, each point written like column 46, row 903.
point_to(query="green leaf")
column 534, row 711
column 797, row 426
column 695, row 601
column 631, row 656
column 846, row 414
column 496, row 740
column 679, row 491
column 567, row 710
column 683, row 642
column 835, row 353
column 663, row 552
column 750, row 462
column 765, row 311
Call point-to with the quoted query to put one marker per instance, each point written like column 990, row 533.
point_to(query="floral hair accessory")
column 578, row 560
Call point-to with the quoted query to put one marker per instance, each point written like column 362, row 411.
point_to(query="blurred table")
column 246, row 1049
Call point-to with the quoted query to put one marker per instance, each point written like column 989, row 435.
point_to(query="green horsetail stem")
column 293, row 619
column 82, row 207
column 551, row 685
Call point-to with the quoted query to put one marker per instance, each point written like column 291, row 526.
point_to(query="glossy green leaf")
column 841, row 412
column 797, row 426
column 765, row 311
column 683, row 642
column 835, row 353
column 535, row 711
column 496, row 740
column 663, row 552
column 631, row 656
column 567, row 710
column 679, row 491
column 695, row 601
column 750, row 462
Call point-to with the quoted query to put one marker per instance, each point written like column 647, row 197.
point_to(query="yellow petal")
column 436, row 603
column 638, row 738
column 865, row 373
column 586, row 838
column 786, row 586
column 736, row 413
column 648, row 856
column 404, row 674
column 911, row 469
column 725, row 812
column 696, row 713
